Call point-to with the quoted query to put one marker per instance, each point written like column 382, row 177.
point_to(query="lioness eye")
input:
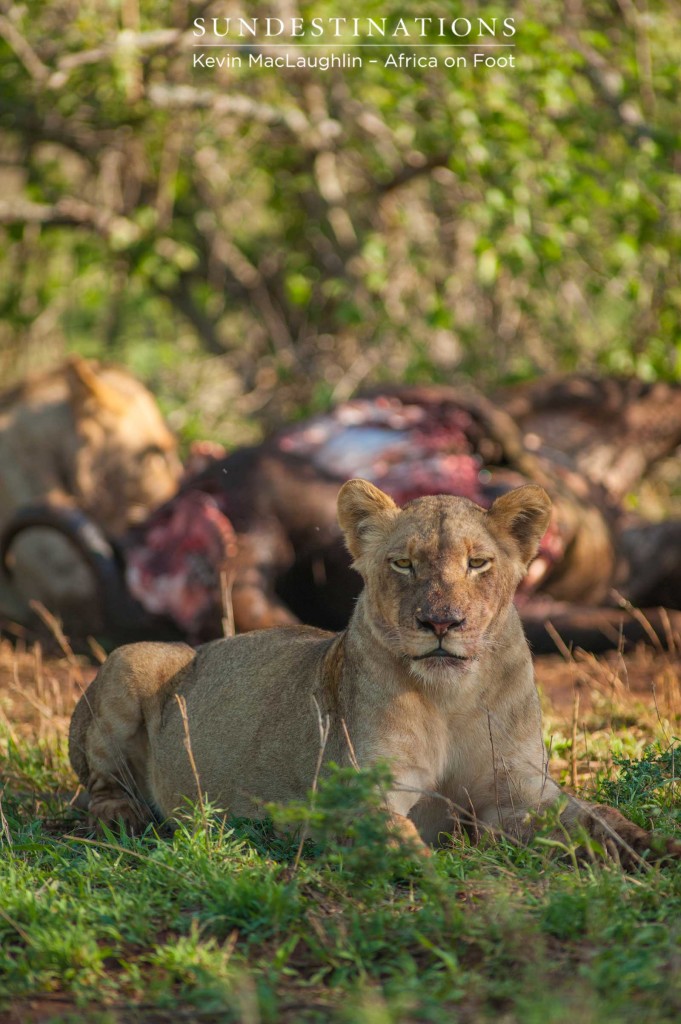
column 478, row 563
column 401, row 564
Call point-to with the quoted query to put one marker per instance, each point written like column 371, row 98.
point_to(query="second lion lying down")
column 433, row 675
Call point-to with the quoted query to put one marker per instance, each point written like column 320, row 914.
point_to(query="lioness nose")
column 440, row 626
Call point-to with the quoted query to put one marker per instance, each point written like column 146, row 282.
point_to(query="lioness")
column 433, row 674
column 81, row 436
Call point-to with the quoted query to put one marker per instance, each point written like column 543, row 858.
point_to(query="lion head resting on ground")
column 433, row 674
column 86, row 436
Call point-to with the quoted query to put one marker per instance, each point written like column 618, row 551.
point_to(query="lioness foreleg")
column 405, row 831
column 409, row 787
column 621, row 839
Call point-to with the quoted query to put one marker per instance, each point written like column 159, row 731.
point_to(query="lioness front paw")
column 627, row 842
column 405, row 833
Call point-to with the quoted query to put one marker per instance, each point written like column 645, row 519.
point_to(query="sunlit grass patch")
column 284, row 920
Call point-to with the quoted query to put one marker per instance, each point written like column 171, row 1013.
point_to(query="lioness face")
column 441, row 572
column 127, row 459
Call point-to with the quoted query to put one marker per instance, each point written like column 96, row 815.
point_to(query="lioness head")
column 440, row 572
column 127, row 461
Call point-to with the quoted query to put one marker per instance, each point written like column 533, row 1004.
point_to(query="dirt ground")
column 38, row 691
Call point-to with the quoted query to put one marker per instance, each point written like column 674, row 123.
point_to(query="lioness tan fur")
column 80, row 435
column 433, row 674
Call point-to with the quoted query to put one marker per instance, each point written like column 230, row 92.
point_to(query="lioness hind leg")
column 113, row 745
column 108, row 740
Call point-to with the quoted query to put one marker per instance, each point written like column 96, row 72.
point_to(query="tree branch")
column 139, row 42
column 187, row 97
column 65, row 212
column 24, row 51
column 408, row 173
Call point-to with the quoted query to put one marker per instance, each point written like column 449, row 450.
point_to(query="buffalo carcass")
column 255, row 533
column 612, row 430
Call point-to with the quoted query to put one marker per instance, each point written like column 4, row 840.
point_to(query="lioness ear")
column 89, row 391
column 524, row 513
column 363, row 512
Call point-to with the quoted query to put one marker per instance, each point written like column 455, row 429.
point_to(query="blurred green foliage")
column 305, row 231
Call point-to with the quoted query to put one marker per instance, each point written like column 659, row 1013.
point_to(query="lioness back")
column 250, row 717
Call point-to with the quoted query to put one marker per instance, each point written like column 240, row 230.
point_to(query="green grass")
column 218, row 922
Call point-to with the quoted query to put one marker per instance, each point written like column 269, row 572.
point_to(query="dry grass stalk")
column 653, row 690
column 54, row 626
column 38, row 671
column 7, row 726
column 226, row 586
column 98, row 652
column 17, row 928
column 494, row 765
column 637, row 614
column 558, row 641
column 4, row 827
column 351, row 749
column 324, row 726
column 57, row 697
column 182, row 704
column 669, row 634
column 43, row 710
column 573, row 751
column 586, row 754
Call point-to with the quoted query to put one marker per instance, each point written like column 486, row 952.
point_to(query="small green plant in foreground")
column 649, row 788
column 242, row 921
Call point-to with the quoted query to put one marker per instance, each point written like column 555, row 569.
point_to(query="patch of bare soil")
column 596, row 708
column 38, row 693
column 37, row 1011
column 644, row 675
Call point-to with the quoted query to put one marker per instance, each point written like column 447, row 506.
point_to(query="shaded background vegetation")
column 256, row 243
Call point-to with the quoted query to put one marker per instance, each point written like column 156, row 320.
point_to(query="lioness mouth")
column 440, row 652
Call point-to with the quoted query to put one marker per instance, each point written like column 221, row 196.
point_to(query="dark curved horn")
column 121, row 612
column 83, row 533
